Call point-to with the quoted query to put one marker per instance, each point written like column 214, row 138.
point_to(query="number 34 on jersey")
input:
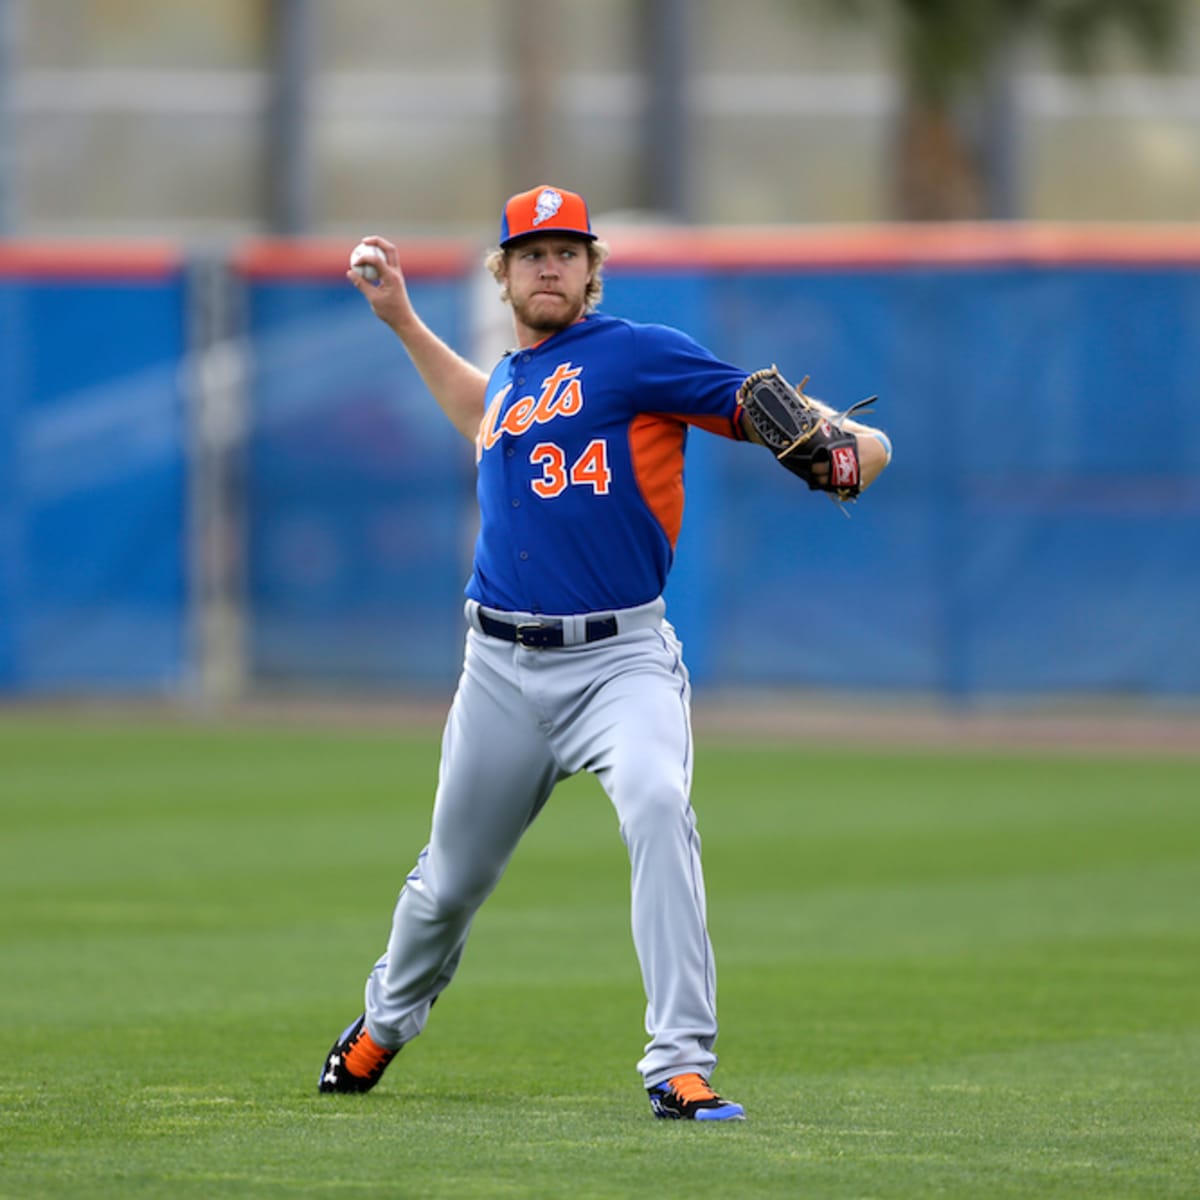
column 561, row 396
column 590, row 469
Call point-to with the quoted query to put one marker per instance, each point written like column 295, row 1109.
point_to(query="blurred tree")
column 953, row 146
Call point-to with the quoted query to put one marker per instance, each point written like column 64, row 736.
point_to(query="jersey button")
column 509, row 452
column 524, row 555
column 516, row 503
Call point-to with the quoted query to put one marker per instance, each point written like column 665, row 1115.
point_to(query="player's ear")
column 497, row 264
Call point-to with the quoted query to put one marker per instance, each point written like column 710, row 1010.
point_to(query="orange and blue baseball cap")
column 544, row 209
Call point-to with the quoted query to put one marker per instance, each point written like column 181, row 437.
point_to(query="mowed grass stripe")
column 963, row 975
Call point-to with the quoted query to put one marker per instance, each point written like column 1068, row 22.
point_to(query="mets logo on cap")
column 544, row 209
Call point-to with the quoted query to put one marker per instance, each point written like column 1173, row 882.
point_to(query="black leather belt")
column 545, row 635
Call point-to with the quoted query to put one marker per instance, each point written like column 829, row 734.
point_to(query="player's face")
column 547, row 282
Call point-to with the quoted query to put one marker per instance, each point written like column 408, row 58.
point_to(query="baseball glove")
column 805, row 435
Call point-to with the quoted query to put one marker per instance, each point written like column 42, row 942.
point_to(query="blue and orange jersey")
column 581, row 464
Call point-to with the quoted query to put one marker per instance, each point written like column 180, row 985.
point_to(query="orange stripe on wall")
column 307, row 258
column 864, row 246
column 785, row 247
column 59, row 261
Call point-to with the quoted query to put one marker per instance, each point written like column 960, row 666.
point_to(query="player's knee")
column 649, row 812
column 463, row 897
column 451, row 894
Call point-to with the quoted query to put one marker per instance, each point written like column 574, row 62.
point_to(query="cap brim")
column 545, row 230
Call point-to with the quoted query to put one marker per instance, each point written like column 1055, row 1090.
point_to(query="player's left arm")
column 831, row 451
column 841, row 455
column 873, row 445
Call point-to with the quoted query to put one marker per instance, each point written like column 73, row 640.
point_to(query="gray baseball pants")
column 523, row 719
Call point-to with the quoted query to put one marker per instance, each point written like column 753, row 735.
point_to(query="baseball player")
column 570, row 664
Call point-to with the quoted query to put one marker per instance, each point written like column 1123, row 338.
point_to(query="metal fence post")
column 215, row 385
column 10, row 160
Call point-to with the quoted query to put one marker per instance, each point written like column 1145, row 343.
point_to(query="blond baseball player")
column 570, row 664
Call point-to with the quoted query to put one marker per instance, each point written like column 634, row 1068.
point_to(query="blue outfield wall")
column 358, row 494
column 1039, row 529
column 1038, row 532
column 93, row 477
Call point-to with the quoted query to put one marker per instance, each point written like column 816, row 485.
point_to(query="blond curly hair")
column 496, row 260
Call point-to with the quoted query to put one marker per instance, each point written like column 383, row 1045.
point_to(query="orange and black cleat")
column 689, row 1098
column 356, row 1063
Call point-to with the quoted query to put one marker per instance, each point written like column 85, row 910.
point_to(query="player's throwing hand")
column 388, row 294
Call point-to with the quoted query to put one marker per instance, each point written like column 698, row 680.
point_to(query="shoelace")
column 692, row 1089
column 365, row 1057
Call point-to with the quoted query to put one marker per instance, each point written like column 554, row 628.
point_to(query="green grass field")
column 953, row 975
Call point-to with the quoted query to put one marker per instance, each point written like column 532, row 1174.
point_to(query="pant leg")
column 496, row 772
column 638, row 729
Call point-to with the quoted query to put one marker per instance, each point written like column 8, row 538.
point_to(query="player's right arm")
column 457, row 385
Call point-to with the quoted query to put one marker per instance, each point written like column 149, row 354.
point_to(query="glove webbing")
column 827, row 414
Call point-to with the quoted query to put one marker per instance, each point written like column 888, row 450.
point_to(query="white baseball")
column 363, row 259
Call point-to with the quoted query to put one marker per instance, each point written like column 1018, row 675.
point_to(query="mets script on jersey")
column 561, row 396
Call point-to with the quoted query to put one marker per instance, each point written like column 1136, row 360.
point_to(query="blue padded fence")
column 1039, row 529
column 357, row 495
column 1038, row 532
column 93, row 483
